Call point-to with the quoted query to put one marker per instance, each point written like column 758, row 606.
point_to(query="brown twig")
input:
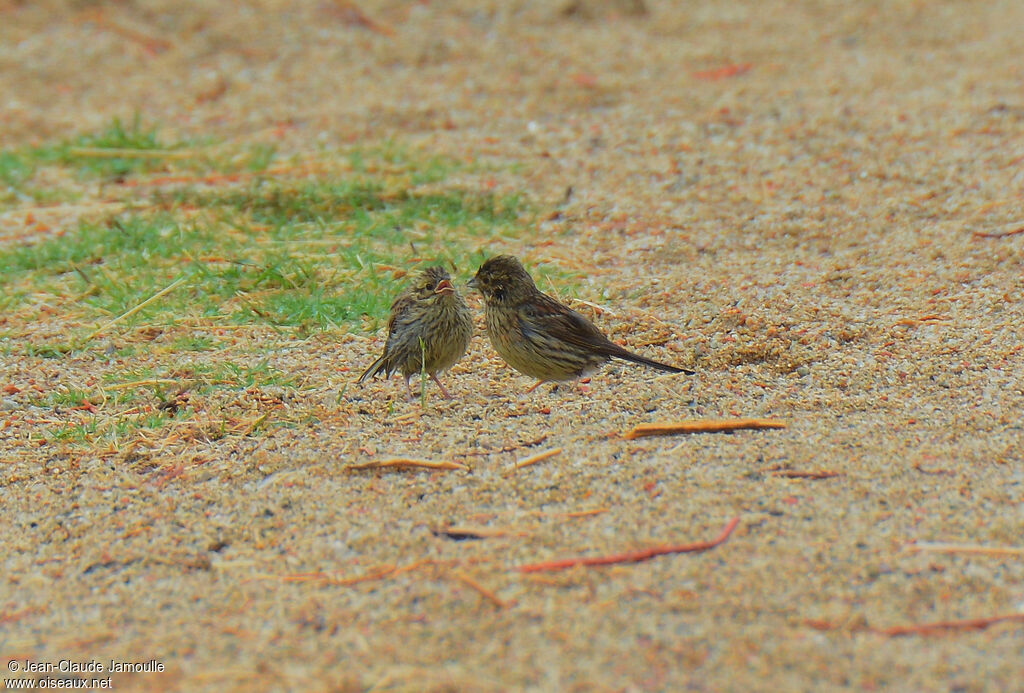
column 329, row 579
column 632, row 556
column 460, row 533
column 933, row 472
column 914, row 322
column 723, row 72
column 534, row 459
column 540, row 513
column 487, row 593
column 382, row 572
column 582, row 513
column 936, row 627
column 1001, row 234
column 403, row 463
column 965, row 548
column 701, row 426
column 797, row 474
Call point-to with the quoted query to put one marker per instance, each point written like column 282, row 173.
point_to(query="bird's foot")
column 447, row 395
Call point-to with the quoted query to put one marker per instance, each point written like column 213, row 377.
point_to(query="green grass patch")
column 15, row 169
column 235, row 375
column 199, row 257
column 311, row 254
column 124, row 149
column 152, row 389
column 190, row 341
column 96, row 429
column 63, row 397
column 419, row 169
column 117, row 152
column 200, row 377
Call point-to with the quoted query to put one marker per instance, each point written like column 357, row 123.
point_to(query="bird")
column 429, row 329
column 539, row 336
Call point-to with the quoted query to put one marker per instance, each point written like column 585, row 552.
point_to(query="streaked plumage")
column 539, row 336
column 429, row 329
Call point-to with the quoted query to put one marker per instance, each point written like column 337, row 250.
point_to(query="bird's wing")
column 399, row 310
column 389, row 360
column 544, row 314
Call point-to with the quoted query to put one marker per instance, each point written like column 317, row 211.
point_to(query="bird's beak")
column 472, row 283
column 444, row 287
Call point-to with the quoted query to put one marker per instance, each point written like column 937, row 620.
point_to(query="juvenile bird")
column 429, row 330
column 539, row 336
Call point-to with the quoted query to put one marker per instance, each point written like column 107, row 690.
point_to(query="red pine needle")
column 632, row 556
column 941, row 626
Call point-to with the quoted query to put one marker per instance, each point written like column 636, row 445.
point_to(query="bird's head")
column 433, row 282
column 503, row 279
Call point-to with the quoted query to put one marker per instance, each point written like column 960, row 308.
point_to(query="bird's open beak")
column 444, row 287
column 471, row 283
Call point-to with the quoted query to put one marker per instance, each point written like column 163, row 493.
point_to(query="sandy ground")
column 787, row 196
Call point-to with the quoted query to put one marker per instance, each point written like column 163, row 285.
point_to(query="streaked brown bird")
column 539, row 336
column 429, row 329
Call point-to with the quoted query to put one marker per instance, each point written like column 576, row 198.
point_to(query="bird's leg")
column 535, row 386
column 445, row 392
column 408, row 389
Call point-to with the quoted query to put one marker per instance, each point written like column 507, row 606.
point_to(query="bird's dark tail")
column 378, row 366
column 627, row 355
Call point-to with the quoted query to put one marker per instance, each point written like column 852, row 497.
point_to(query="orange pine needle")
column 632, row 556
column 1001, row 234
column 796, row 474
column 701, row 426
column 332, row 579
column 722, row 72
column 534, row 459
column 404, row 463
column 586, row 513
column 487, row 593
column 941, row 626
column 966, row 548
